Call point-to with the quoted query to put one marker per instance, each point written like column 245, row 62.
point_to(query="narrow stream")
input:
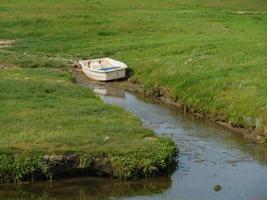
column 209, row 155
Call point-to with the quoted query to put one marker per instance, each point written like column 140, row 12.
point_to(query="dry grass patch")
column 6, row 43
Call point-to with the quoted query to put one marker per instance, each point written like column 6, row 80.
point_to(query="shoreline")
column 42, row 167
column 159, row 95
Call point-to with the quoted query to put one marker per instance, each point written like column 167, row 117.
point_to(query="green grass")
column 43, row 113
column 210, row 54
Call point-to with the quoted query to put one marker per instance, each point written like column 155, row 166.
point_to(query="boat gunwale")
column 123, row 67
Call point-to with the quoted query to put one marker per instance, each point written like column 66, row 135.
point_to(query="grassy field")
column 43, row 113
column 210, row 54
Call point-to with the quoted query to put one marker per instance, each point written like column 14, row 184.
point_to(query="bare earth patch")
column 151, row 138
column 6, row 43
column 3, row 66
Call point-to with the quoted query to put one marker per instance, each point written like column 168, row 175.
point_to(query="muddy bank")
column 160, row 94
column 78, row 165
column 17, row 168
column 252, row 134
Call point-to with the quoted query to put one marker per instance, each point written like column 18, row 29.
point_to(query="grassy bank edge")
column 34, row 165
column 161, row 94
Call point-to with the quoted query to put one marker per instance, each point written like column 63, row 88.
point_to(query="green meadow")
column 210, row 55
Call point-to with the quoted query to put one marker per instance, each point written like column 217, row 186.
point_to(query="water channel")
column 209, row 155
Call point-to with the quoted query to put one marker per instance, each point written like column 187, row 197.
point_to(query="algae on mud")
column 51, row 127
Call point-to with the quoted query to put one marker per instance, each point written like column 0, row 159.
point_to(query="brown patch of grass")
column 6, row 43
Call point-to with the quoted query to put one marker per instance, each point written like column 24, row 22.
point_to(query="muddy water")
column 209, row 155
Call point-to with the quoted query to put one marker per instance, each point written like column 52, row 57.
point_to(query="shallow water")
column 209, row 155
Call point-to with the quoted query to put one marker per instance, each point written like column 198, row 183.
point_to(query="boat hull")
column 104, row 76
column 92, row 69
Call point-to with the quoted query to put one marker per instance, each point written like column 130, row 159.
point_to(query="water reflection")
column 85, row 188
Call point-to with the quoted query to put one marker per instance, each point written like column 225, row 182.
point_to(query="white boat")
column 103, row 69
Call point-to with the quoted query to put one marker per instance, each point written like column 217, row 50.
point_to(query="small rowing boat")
column 103, row 69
